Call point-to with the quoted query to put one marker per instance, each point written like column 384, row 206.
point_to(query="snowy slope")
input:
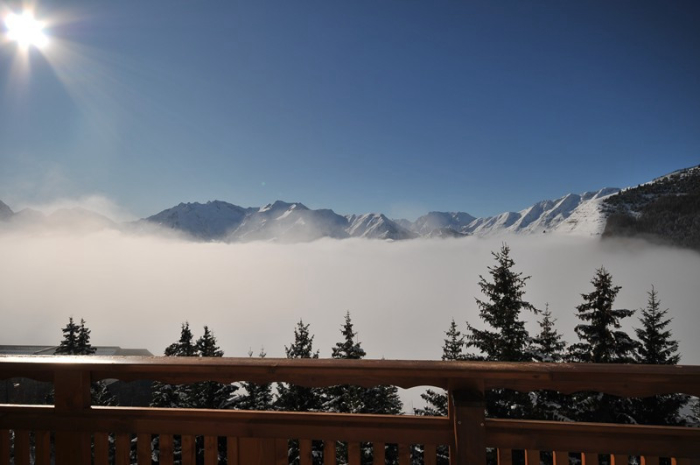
column 5, row 211
column 289, row 222
column 376, row 226
column 213, row 220
column 574, row 214
column 433, row 221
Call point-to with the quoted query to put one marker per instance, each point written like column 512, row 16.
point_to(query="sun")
column 26, row 30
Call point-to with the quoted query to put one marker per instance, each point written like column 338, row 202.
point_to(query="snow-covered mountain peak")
column 279, row 205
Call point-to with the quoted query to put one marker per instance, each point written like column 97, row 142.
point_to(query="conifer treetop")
column 655, row 343
column 501, row 310
column 601, row 339
column 348, row 348
column 548, row 345
column 302, row 347
column 185, row 346
column 453, row 348
column 76, row 340
column 206, row 345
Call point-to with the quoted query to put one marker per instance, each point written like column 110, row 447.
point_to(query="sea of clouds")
column 136, row 289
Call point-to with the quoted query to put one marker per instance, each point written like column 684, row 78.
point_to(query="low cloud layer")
column 136, row 290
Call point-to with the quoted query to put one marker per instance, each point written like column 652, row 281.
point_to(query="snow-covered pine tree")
column 294, row 398
column 356, row 399
column 509, row 340
column 601, row 341
column 69, row 344
column 256, row 396
column 656, row 347
column 299, row 398
column 452, row 349
column 210, row 394
column 176, row 396
column 345, row 398
column 84, row 346
column 548, row 346
column 76, row 341
column 436, row 401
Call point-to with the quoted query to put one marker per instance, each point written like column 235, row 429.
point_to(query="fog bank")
column 134, row 291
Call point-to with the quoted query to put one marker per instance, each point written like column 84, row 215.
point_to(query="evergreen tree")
column 257, row 396
column 76, row 341
column 656, row 347
column 601, row 341
column 294, row 398
column 509, row 340
column 210, row 394
column 84, row 346
column 69, row 345
column 356, row 399
column 176, row 396
column 549, row 347
column 345, row 398
column 452, row 349
column 299, row 398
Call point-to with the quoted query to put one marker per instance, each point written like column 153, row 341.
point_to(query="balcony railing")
column 72, row 432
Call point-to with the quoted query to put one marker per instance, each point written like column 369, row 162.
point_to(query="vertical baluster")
column 123, row 449
column 305, row 452
column 232, row 450
column 329, row 452
column 101, row 449
column 649, row 460
column 683, row 461
column 4, row 446
column 21, row 447
column 281, row 452
column 467, row 413
column 430, row 454
column 354, row 453
column 189, row 450
column 165, row 449
column 211, row 450
column 532, row 457
column 72, row 394
column 505, row 456
column 619, row 459
column 42, row 442
column 562, row 458
column 589, row 458
column 379, row 453
column 404, row 454
column 143, row 447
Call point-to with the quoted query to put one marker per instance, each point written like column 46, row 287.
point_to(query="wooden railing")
column 72, row 432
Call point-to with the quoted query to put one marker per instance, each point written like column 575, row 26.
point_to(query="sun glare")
column 26, row 30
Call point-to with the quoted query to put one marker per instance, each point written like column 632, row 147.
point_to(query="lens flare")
column 26, row 30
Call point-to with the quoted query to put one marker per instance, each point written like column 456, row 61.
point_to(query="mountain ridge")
column 607, row 212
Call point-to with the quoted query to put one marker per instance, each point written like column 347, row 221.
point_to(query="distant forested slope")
column 665, row 210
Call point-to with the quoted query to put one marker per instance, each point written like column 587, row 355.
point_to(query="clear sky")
column 393, row 106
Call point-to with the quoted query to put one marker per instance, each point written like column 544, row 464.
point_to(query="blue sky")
column 393, row 106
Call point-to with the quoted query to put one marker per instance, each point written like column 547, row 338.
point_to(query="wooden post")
column 72, row 393
column 467, row 412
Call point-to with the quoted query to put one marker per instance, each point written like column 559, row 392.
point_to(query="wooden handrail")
column 264, row 434
column 621, row 380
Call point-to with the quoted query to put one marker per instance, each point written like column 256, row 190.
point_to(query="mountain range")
column 608, row 212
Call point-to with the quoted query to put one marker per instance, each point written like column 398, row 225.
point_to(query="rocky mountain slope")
column 665, row 210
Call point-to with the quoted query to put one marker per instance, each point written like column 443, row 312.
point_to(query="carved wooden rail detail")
column 81, row 431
